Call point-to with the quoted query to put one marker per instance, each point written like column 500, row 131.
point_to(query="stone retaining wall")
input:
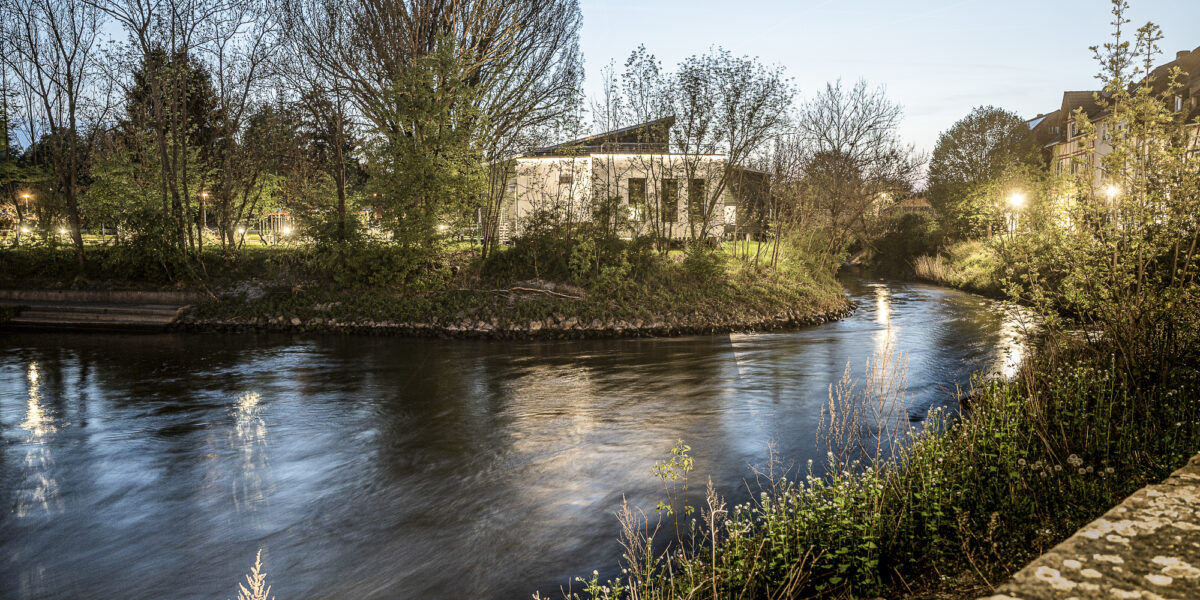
column 104, row 296
column 1147, row 548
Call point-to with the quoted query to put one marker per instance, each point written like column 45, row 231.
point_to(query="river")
column 148, row 466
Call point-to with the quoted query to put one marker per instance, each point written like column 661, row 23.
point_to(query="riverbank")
column 972, row 266
column 533, row 310
column 949, row 508
column 459, row 296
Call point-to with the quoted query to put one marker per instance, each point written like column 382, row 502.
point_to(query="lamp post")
column 1016, row 201
column 21, row 228
column 203, row 214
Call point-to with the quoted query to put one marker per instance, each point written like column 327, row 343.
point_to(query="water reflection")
column 39, row 494
column 249, row 440
column 397, row 468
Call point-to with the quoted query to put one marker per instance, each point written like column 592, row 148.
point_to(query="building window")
column 637, row 198
column 696, row 200
column 566, row 179
column 668, row 201
column 1178, row 103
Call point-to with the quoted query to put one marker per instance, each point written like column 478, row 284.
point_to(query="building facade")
column 673, row 195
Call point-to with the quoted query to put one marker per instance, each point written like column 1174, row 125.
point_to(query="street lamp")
column 1112, row 191
column 1016, row 200
column 287, row 230
column 26, row 196
column 203, row 213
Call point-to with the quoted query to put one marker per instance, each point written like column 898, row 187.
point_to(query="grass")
column 972, row 265
column 958, row 504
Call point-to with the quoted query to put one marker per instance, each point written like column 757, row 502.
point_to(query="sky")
column 939, row 59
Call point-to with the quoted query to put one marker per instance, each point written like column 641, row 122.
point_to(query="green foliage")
column 703, row 262
column 428, row 170
column 978, row 151
column 908, row 236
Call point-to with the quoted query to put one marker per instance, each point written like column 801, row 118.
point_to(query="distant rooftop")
column 651, row 137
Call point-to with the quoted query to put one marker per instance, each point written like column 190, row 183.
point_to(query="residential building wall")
column 574, row 183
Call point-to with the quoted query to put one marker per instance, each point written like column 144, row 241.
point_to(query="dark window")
column 637, row 197
column 568, row 178
column 697, row 203
column 669, row 201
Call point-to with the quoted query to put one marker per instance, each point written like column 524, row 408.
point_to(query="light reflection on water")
column 386, row 467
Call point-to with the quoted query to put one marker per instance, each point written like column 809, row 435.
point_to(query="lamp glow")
column 1112, row 191
column 241, row 230
column 287, row 230
column 1016, row 200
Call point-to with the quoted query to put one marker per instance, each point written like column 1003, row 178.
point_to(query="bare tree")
column 53, row 51
column 855, row 164
column 724, row 105
column 239, row 42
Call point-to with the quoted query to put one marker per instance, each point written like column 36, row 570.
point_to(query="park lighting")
column 287, row 230
column 62, row 231
column 241, row 231
column 1112, row 191
column 1016, row 200
column 24, row 230
column 443, row 228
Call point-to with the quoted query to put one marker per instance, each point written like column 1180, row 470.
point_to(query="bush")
column 907, row 237
column 702, row 262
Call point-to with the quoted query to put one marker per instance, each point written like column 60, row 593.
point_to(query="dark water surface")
column 365, row 467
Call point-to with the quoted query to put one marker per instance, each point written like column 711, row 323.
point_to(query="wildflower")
column 1083, row 471
column 1021, row 462
column 1074, row 460
column 1057, row 468
column 1108, row 470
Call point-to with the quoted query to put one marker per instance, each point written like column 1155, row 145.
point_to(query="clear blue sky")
column 937, row 58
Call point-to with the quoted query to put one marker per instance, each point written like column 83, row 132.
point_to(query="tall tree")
column 855, row 163
column 162, row 40
column 976, row 150
column 53, row 49
column 519, row 59
column 724, row 105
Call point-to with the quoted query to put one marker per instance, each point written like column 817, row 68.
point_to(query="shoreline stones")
column 554, row 326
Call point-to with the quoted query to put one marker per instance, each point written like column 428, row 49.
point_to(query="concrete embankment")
column 1146, row 548
column 93, row 309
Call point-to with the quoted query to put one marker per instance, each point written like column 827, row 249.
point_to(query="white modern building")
column 656, row 191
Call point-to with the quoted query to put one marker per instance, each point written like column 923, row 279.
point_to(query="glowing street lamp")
column 1016, row 201
column 287, row 230
column 1111, row 191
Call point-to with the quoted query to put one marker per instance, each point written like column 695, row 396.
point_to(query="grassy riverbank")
column 973, row 266
column 516, row 293
column 950, row 509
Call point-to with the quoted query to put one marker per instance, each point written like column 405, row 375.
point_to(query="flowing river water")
column 149, row 466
